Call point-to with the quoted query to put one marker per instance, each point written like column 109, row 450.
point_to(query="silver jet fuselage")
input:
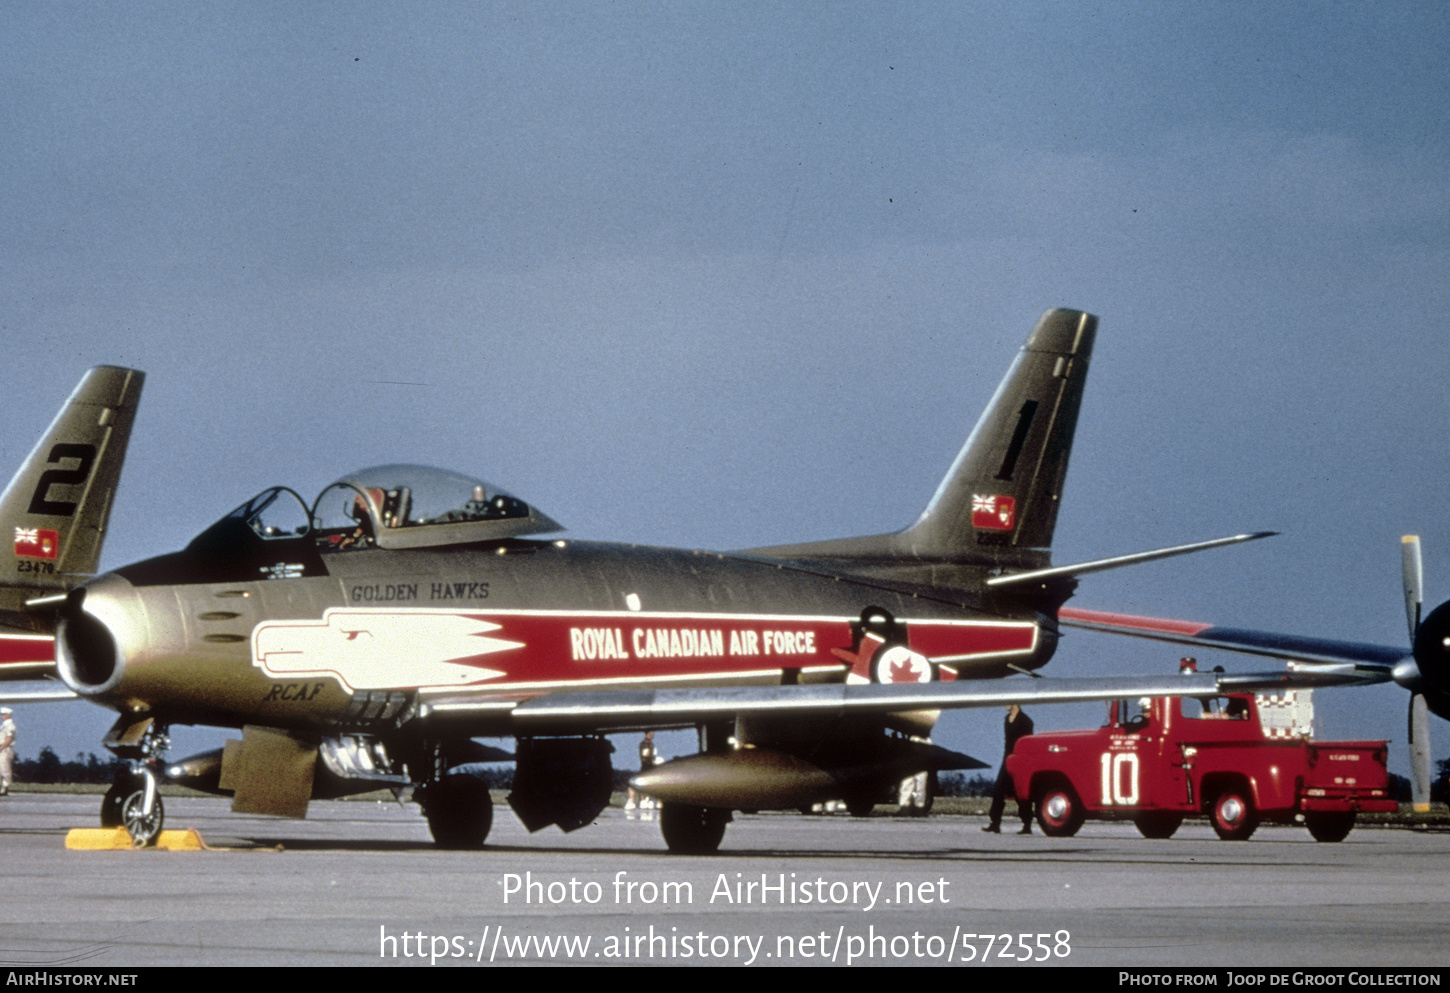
column 353, row 637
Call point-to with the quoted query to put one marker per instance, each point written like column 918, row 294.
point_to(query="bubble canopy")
column 395, row 506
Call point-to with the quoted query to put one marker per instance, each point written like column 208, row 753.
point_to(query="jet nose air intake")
column 88, row 650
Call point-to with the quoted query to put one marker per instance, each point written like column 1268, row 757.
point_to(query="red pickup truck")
column 1239, row 759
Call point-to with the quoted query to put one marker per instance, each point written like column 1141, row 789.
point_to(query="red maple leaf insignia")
column 899, row 664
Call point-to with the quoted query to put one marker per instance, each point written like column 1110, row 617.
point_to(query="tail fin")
column 56, row 507
column 997, row 506
column 998, row 503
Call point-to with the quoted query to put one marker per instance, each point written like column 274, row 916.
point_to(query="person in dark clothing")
column 648, row 757
column 1017, row 726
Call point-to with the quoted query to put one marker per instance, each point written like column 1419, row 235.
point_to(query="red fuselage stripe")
column 534, row 648
column 26, row 649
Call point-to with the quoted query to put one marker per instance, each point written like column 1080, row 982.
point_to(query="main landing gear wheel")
column 691, row 830
column 1329, row 826
column 459, row 811
column 1059, row 812
column 1158, row 824
column 916, row 799
column 1233, row 816
column 124, row 806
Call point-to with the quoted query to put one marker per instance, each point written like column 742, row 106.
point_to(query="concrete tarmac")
column 359, row 883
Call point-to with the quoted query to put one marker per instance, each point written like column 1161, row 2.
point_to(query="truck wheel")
column 1158, row 824
column 1329, row 826
column 1059, row 812
column 1233, row 815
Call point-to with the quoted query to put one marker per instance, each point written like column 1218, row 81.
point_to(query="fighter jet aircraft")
column 365, row 638
column 55, row 510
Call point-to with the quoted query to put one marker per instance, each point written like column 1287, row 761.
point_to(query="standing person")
column 1017, row 726
column 7, row 750
column 647, row 759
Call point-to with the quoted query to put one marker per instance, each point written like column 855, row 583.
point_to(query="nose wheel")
column 125, row 805
column 134, row 800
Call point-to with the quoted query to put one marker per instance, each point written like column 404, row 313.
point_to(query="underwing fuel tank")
column 749, row 778
column 763, row 779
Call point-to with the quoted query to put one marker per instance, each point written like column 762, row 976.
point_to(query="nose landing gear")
column 134, row 800
column 134, row 803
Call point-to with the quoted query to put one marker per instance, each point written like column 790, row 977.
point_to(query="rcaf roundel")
column 899, row 664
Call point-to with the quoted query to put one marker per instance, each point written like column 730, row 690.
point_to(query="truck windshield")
column 1217, row 708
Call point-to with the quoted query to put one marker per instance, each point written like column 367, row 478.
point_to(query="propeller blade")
column 1419, row 753
column 1413, row 570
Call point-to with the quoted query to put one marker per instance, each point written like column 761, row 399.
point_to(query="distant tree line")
column 1440, row 788
column 960, row 784
column 48, row 767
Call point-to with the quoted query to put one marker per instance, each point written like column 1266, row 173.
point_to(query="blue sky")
column 733, row 274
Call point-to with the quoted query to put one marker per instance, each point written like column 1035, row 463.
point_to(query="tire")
column 1059, row 811
column 928, row 801
column 1329, row 826
column 859, row 806
column 143, row 830
column 691, row 830
column 1233, row 815
column 111, row 803
column 122, row 806
column 1158, row 824
column 459, row 812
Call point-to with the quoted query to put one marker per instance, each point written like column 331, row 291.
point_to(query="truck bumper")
column 1342, row 804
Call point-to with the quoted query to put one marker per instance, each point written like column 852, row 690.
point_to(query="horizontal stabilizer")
column 1369, row 659
column 1037, row 576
